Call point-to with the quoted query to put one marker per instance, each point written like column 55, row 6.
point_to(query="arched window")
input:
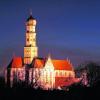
column 66, row 73
column 28, row 39
column 60, row 73
column 57, row 73
column 51, row 74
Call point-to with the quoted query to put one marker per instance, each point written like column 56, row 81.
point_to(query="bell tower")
column 30, row 48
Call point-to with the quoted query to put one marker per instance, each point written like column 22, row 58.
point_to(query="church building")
column 46, row 73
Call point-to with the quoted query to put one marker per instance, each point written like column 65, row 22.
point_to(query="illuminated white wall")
column 18, row 73
column 30, row 48
column 45, row 76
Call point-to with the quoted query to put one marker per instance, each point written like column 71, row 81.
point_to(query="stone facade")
column 31, row 68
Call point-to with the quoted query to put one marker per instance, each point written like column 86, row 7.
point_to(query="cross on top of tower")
column 30, row 12
column 30, row 17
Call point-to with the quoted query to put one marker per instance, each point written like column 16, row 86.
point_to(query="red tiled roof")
column 17, row 62
column 63, row 81
column 62, row 65
column 39, row 63
column 58, row 64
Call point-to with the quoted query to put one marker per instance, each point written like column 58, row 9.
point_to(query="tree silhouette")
column 91, row 69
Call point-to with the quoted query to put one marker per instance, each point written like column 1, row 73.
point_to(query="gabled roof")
column 62, row 65
column 38, row 62
column 16, row 62
column 58, row 64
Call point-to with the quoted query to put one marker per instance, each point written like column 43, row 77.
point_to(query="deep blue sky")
column 65, row 28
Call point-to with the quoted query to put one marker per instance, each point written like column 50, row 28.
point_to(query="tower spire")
column 13, row 54
column 30, row 12
column 49, row 55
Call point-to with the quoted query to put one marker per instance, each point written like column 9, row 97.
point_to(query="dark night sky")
column 65, row 28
